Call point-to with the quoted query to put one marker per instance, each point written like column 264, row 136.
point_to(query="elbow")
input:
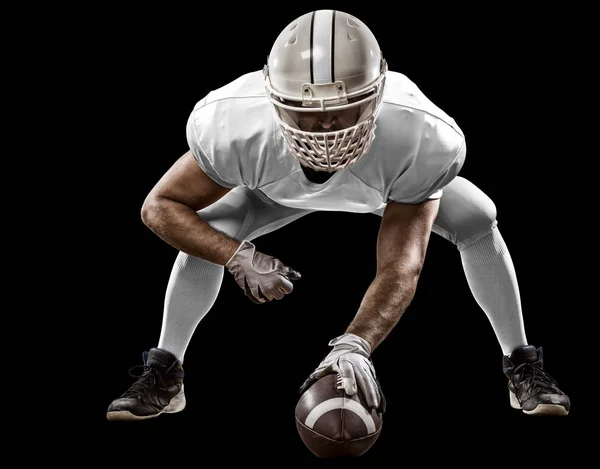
column 410, row 272
column 407, row 271
column 398, row 283
column 150, row 209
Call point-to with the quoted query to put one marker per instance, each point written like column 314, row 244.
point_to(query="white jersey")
column 418, row 149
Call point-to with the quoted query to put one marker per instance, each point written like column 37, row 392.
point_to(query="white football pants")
column 466, row 217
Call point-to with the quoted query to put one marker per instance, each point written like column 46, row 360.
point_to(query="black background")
column 142, row 71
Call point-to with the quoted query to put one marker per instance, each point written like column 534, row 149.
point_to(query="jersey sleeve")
column 218, row 169
column 412, row 187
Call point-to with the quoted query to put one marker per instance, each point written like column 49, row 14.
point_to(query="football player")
column 325, row 126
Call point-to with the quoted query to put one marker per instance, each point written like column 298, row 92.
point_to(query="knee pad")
column 463, row 244
column 466, row 213
column 478, row 222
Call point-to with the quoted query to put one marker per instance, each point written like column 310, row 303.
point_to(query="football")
column 333, row 424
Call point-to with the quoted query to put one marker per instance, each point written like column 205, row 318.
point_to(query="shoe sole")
column 177, row 404
column 541, row 409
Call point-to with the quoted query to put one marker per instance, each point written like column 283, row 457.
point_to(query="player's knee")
column 478, row 221
column 466, row 213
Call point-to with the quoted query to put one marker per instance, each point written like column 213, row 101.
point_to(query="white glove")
column 350, row 360
column 262, row 277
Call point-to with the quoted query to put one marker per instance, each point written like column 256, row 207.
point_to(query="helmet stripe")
column 322, row 47
column 312, row 29
column 332, row 46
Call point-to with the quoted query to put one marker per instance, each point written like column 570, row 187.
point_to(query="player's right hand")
column 350, row 359
column 262, row 277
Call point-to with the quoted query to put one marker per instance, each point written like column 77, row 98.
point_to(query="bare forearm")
column 385, row 301
column 181, row 227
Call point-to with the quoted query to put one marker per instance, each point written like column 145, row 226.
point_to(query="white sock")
column 493, row 282
column 192, row 290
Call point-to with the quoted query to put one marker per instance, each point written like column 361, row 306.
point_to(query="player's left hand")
column 350, row 360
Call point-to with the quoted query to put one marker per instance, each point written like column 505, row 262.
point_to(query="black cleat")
column 531, row 388
column 158, row 389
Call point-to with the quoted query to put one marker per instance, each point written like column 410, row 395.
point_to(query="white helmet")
column 326, row 61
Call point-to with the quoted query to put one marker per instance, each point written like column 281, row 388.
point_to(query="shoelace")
column 149, row 377
column 538, row 379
